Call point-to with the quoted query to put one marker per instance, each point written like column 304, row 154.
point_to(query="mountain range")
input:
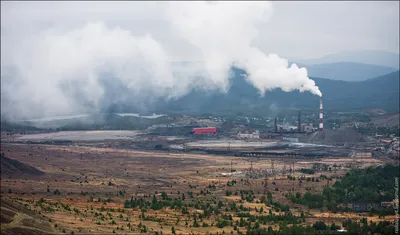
column 380, row 92
column 347, row 71
column 380, row 58
column 243, row 99
column 346, row 80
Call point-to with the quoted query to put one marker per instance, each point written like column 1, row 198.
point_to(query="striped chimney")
column 321, row 116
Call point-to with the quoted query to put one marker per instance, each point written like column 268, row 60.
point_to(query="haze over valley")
column 205, row 117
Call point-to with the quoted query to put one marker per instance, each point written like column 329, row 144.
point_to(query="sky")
column 295, row 30
column 316, row 28
column 63, row 58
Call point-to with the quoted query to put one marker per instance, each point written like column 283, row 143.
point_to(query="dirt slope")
column 16, row 219
column 387, row 120
column 340, row 135
column 14, row 168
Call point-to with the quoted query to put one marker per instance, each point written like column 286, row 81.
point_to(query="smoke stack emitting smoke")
column 51, row 67
column 321, row 115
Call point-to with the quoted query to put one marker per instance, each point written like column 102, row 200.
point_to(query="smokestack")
column 299, row 122
column 321, row 116
column 276, row 125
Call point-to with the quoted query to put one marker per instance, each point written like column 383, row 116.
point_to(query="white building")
column 248, row 135
column 290, row 139
column 287, row 128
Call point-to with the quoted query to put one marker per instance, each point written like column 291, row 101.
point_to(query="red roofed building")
column 206, row 130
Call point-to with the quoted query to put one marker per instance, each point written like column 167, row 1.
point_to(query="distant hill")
column 15, row 127
column 348, row 71
column 242, row 98
column 381, row 58
column 380, row 92
column 377, row 93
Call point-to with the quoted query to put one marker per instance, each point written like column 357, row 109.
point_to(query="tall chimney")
column 321, row 116
column 276, row 125
column 299, row 122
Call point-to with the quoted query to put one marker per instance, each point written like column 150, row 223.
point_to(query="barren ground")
column 83, row 175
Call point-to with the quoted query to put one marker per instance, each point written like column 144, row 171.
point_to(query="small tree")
column 320, row 225
column 57, row 192
column 334, row 227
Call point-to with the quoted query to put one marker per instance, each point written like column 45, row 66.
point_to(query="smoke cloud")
column 64, row 70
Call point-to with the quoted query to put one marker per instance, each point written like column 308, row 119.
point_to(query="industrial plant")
column 174, row 160
column 283, row 138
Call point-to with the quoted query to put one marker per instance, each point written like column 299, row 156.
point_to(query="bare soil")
column 83, row 175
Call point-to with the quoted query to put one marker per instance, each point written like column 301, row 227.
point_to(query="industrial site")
column 203, row 117
column 215, row 135
column 204, row 174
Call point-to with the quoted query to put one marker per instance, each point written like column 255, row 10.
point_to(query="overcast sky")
column 295, row 29
column 56, row 56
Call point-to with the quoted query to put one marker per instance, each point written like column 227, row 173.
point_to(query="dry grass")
column 73, row 170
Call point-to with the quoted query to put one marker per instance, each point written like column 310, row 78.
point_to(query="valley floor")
column 93, row 190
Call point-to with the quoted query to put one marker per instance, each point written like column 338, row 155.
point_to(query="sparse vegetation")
column 166, row 202
column 370, row 185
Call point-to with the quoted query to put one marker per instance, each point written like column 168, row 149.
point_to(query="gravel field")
column 82, row 135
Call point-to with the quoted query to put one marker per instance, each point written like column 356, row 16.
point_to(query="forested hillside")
column 381, row 92
column 371, row 185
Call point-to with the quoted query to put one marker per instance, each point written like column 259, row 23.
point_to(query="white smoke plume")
column 58, row 70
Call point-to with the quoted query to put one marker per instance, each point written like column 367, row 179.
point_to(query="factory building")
column 205, row 130
column 248, row 135
column 307, row 127
column 287, row 128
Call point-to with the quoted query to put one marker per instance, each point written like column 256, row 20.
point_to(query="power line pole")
column 266, row 183
column 184, row 148
column 284, row 169
column 251, row 168
column 272, row 167
column 293, row 173
column 250, row 176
